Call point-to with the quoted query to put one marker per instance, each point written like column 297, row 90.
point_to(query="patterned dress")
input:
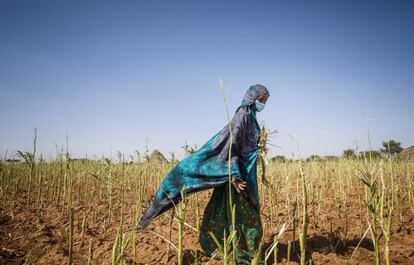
column 217, row 217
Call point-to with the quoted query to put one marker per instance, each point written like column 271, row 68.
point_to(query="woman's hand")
column 238, row 184
column 262, row 136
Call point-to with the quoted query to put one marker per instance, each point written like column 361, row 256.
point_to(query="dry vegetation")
column 345, row 211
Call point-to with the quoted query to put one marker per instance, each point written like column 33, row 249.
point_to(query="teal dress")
column 208, row 167
column 217, row 218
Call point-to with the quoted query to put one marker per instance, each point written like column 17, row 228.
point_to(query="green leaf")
column 364, row 181
column 220, row 247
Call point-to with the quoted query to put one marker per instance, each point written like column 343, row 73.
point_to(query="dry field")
column 85, row 212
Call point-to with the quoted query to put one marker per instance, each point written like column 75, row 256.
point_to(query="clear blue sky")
column 109, row 74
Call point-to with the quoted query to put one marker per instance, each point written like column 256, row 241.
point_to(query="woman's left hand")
column 238, row 184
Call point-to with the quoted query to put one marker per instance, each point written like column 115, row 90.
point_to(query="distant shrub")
column 279, row 158
column 314, row 158
column 391, row 148
column 370, row 154
column 349, row 153
column 330, row 158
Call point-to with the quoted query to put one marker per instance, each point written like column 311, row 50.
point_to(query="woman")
column 208, row 168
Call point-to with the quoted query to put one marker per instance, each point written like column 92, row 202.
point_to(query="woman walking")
column 208, row 167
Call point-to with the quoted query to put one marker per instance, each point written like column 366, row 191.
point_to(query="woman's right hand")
column 238, row 184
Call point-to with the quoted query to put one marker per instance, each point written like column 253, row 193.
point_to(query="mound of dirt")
column 407, row 154
column 157, row 156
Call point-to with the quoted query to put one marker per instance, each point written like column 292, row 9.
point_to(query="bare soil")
column 23, row 240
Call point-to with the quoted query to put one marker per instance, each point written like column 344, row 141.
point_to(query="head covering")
column 208, row 167
column 253, row 93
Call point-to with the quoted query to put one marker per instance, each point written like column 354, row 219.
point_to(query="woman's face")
column 263, row 99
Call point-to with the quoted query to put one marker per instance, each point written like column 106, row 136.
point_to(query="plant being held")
column 262, row 145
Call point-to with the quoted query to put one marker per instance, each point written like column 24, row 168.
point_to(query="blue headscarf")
column 253, row 93
column 208, row 167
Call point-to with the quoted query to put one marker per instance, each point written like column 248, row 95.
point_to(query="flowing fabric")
column 208, row 167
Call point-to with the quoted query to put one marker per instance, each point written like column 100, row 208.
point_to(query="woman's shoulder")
column 244, row 113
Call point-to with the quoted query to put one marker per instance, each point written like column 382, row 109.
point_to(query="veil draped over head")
column 252, row 94
column 208, row 167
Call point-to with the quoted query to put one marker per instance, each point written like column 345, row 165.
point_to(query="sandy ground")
column 24, row 241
